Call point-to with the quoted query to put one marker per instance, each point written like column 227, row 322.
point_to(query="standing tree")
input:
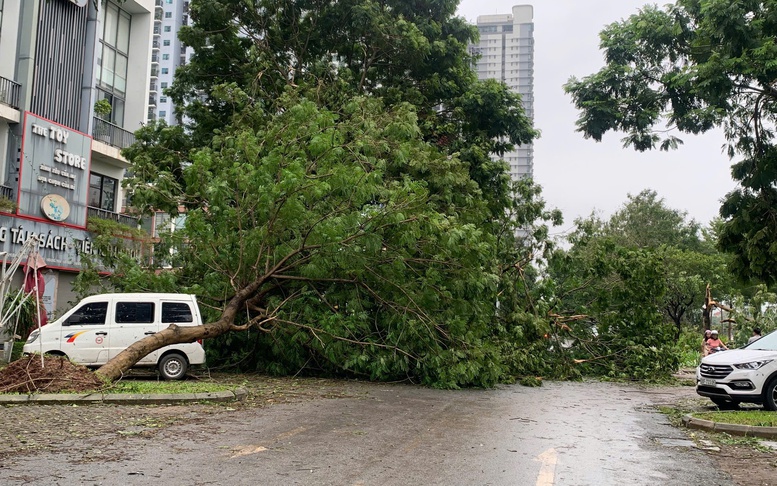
column 693, row 66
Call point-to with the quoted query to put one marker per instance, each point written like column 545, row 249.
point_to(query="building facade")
column 506, row 53
column 167, row 54
column 73, row 89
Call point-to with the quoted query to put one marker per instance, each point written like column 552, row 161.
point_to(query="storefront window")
column 102, row 192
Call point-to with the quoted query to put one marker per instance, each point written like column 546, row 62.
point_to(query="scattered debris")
column 58, row 374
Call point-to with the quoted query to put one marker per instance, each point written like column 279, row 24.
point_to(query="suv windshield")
column 767, row 343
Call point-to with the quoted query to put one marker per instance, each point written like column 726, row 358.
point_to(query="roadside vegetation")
column 758, row 418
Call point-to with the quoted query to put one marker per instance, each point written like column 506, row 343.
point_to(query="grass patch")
column 158, row 386
column 759, row 418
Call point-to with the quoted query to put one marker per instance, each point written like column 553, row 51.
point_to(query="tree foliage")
column 693, row 66
column 341, row 202
column 638, row 282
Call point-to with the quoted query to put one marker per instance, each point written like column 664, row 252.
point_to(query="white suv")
column 741, row 375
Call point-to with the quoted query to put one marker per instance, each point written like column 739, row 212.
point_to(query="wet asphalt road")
column 560, row 434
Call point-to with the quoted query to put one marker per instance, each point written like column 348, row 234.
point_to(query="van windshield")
column 93, row 313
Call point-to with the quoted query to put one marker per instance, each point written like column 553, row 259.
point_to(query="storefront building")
column 60, row 156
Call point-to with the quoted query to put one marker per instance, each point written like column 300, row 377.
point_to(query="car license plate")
column 707, row 382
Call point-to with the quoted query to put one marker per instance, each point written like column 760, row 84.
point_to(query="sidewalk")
column 238, row 394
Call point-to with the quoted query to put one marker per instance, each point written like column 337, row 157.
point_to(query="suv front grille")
column 717, row 372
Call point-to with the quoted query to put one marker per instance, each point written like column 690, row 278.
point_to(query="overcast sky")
column 579, row 176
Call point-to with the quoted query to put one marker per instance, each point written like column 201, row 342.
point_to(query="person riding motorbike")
column 714, row 343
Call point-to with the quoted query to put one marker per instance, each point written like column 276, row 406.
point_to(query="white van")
column 102, row 326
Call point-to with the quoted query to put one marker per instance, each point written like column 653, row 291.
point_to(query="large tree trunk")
column 116, row 367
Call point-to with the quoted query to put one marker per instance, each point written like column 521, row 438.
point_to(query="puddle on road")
column 665, row 441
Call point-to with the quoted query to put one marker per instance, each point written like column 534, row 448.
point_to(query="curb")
column 733, row 429
column 237, row 395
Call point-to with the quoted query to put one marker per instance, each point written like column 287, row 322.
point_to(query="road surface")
column 560, row 434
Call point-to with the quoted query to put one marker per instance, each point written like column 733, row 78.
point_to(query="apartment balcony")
column 7, row 192
column 152, row 88
column 106, row 132
column 154, row 72
column 9, row 92
column 126, row 219
column 158, row 4
column 155, row 45
column 9, row 101
column 152, row 101
column 155, row 59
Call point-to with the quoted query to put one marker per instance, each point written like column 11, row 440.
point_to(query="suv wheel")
column 173, row 366
column 770, row 395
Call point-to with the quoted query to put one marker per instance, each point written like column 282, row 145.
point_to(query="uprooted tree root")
column 26, row 375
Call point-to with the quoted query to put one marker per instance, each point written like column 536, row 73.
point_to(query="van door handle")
column 149, row 333
column 102, row 333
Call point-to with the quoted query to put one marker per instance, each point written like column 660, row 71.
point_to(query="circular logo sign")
column 55, row 207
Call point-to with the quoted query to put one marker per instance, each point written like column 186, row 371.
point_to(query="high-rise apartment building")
column 167, row 53
column 506, row 53
column 73, row 89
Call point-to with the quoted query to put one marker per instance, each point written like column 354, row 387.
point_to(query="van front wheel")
column 173, row 366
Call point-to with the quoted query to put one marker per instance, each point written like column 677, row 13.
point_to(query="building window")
column 163, row 99
column 112, row 61
column 165, row 70
column 164, row 85
column 102, row 191
column 168, row 28
column 165, row 42
column 169, row 2
column 165, row 57
column 162, row 113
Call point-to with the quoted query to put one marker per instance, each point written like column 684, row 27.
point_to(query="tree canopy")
column 688, row 68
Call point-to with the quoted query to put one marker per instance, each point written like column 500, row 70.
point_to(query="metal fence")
column 131, row 221
column 107, row 132
column 9, row 92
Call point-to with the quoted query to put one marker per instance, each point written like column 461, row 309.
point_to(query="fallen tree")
column 318, row 228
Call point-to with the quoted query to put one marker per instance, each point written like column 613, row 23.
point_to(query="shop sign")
column 60, row 246
column 54, row 172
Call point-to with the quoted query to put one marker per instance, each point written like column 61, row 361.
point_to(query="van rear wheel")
column 173, row 366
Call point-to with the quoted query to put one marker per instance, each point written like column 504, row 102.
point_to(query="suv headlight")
column 752, row 365
column 33, row 336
